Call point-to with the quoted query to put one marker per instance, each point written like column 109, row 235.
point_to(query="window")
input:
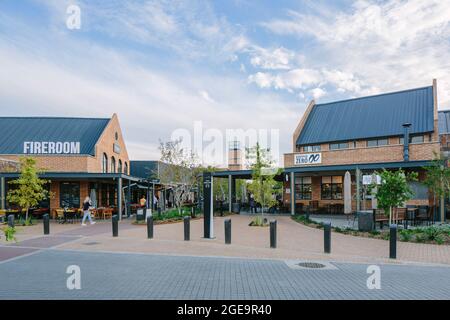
column 126, row 168
column 69, row 195
column 303, row 188
column 311, row 148
column 116, row 136
column 105, row 163
column 342, row 145
column 119, row 168
column 377, row 142
column 413, row 139
column 113, row 165
column 331, row 188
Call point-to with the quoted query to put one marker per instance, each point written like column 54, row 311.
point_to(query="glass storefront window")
column 331, row 188
column 303, row 190
column 69, row 195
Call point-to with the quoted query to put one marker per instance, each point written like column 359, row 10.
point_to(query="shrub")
column 9, row 233
column 405, row 235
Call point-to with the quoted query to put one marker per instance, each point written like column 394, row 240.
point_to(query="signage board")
column 368, row 179
column 307, row 159
column 51, row 147
column 116, row 148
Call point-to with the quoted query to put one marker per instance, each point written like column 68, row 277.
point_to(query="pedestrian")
column 252, row 204
column 87, row 206
column 143, row 202
column 155, row 202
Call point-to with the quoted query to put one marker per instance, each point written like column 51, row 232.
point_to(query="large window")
column 105, row 163
column 119, row 169
column 69, row 195
column 413, row 139
column 331, row 188
column 377, row 142
column 113, row 165
column 342, row 145
column 315, row 148
column 303, row 188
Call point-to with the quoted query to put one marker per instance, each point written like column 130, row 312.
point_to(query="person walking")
column 143, row 202
column 252, row 204
column 87, row 204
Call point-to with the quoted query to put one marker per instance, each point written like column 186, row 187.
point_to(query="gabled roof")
column 370, row 117
column 444, row 121
column 14, row 131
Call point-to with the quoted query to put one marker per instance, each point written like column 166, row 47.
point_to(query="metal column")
column 119, row 198
column 129, row 199
column 2, row 193
column 292, row 177
column 358, row 189
column 229, row 193
column 208, row 206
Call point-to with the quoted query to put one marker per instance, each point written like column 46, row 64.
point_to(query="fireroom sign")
column 51, row 147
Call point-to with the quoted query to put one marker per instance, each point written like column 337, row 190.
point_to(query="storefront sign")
column 51, row 147
column 307, row 159
column 368, row 179
column 116, row 148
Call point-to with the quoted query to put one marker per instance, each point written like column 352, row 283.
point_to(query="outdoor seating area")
column 411, row 215
column 74, row 215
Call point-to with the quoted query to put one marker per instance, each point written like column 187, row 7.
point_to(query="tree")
column 394, row 190
column 263, row 183
column 29, row 188
column 180, row 170
column 438, row 180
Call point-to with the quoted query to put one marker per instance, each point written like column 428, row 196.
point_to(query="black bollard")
column 227, row 231
column 393, row 242
column 11, row 220
column 150, row 227
column 46, row 220
column 115, row 225
column 273, row 234
column 187, row 232
column 327, row 237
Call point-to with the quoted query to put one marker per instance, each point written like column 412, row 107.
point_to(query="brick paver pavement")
column 295, row 241
column 142, row 276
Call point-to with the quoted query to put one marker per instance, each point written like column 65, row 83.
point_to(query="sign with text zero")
column 307, row 159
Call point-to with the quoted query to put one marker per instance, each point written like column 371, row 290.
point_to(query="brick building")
column 80, row 156
column 360, row 136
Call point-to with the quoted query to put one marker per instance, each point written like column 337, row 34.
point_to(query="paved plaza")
column 167, row 267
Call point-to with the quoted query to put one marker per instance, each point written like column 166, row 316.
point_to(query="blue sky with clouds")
column 161, row 65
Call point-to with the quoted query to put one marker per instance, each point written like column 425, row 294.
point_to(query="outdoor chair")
column 426, row 214
column 379, row 216
column 400, row 215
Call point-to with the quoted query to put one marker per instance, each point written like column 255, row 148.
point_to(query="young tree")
column 263, row 183
column 438, row 180
column 180, row 170
column 394, row 190
column 29, row 188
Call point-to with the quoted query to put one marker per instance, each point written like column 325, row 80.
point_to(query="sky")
column 234, row 64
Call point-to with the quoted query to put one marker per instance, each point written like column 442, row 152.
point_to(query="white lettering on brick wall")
column 51, row 147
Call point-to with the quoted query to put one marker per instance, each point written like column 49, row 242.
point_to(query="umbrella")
column 347, row 193
column 94, row 198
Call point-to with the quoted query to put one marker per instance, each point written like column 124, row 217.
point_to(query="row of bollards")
column 227, row 226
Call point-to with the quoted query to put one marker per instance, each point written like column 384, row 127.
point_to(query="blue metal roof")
column 370, row 117
column 444, row 121
column 14, row 131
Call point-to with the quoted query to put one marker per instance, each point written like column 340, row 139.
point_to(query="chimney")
column 406, row 141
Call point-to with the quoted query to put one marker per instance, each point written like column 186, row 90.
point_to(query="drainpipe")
column 406, row 141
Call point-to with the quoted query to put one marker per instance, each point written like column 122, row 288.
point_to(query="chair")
column 426, row 213
column 313, row 206
column 400, row 215
column 60, row 216
column 107, row 213
column 379, row 216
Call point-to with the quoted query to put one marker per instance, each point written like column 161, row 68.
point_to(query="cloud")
column 318, row 93
column 377, row 46
column 279, row 58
